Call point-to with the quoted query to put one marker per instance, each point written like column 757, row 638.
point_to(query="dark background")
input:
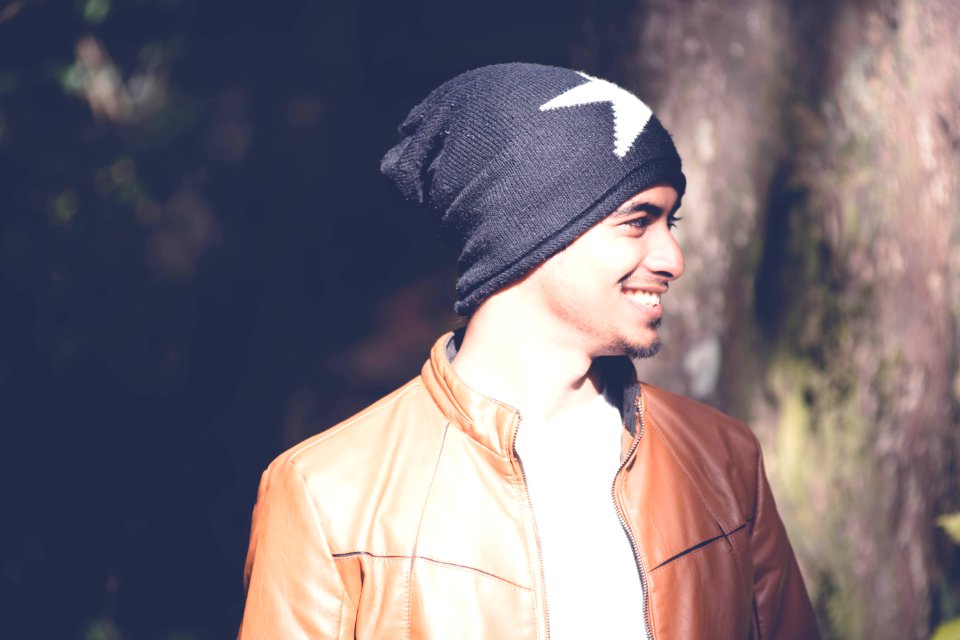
column 193, row 283
column 201, row 265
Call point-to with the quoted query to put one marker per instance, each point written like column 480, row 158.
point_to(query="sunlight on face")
column 605, row 291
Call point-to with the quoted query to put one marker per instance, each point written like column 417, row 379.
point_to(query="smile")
column 642, row 297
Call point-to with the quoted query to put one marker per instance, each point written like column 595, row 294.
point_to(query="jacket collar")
column 488, row 421
column 493, row 423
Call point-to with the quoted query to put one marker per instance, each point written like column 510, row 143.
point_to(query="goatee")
column 637, row 352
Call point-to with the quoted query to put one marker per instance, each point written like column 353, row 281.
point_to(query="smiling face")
column 603, row 292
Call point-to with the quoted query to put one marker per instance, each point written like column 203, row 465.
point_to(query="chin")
column 638, row 351
column 643, row 346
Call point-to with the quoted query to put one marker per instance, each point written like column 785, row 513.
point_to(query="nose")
column 664, row 257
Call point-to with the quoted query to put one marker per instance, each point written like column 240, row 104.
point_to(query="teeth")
column 643, row 297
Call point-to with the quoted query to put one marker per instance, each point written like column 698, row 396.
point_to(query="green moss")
column 817, row 464
column 822, row 469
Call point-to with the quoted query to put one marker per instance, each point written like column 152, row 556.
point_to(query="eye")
column 672, row 221
column 641, row 222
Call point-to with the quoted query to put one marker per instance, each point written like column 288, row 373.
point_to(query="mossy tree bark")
column 822, row 294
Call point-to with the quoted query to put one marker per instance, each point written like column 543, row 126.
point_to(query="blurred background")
column 200, row 265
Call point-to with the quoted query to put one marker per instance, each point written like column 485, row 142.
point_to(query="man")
column 525, row 485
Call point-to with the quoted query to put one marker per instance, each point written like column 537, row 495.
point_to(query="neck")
column 508, row 357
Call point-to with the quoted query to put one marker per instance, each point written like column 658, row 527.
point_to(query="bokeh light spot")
column 65, row 207
column 96, row 11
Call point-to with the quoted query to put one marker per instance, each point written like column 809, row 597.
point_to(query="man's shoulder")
column 718, row 453
column 375, row 432
column 369, row 468
column 697, row 427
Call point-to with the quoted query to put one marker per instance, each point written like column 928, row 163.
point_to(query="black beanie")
column 517, row 160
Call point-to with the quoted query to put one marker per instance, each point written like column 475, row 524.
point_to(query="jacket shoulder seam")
column 369, row 411
column 723, row 529
column 686, row 472
column 319, row 527
column 416, row 541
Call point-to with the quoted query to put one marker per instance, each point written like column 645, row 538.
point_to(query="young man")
column 525, row 485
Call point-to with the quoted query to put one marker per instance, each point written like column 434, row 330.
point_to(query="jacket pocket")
column 702, row 591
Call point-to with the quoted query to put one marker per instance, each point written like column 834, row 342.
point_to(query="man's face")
column 604, row 290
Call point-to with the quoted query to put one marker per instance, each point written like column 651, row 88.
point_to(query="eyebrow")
column 640, row 207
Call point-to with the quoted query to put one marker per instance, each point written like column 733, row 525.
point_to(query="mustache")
column 654, row 282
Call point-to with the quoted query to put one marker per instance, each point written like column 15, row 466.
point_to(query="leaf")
column 951, row 524
column 949, row 630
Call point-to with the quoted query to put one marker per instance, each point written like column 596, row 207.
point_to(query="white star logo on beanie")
column 630, row 114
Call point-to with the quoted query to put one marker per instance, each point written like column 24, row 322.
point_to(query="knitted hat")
column 517, row 160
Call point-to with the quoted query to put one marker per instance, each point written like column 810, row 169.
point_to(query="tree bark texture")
column 821, row 302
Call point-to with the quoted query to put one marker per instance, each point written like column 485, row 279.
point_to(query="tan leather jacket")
column 412, row 520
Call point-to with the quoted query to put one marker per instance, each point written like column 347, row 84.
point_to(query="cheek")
column 565, row 285
column 548, row 282
column 619, row 259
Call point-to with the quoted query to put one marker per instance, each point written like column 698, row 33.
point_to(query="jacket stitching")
column 736, row 556
column 416, row 541
column 340, row 614
column 451, row 565
column 525, row 506
column 316, row 521
column 683, row 467
column 733, row 550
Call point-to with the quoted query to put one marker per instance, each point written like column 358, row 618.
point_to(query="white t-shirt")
column 592, row 584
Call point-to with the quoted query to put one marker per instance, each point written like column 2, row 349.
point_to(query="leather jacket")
column 412, row 520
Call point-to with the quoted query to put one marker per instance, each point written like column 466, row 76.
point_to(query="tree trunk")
column 822, row 294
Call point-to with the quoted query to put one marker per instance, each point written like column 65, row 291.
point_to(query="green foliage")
column 948, row 631
column 950, row 523
column 96, row 11
column 103, row 629
column 72, row 78
column 64, row 208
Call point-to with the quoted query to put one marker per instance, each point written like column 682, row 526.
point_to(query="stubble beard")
column 642, row 351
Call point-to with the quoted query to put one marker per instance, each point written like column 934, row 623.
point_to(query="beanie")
column 517, row 160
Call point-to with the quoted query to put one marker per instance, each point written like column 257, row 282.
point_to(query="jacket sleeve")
column 293, row 587
column 781, row 605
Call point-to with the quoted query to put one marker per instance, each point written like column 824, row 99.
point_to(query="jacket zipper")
column 536, row 533
column 623, row 521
